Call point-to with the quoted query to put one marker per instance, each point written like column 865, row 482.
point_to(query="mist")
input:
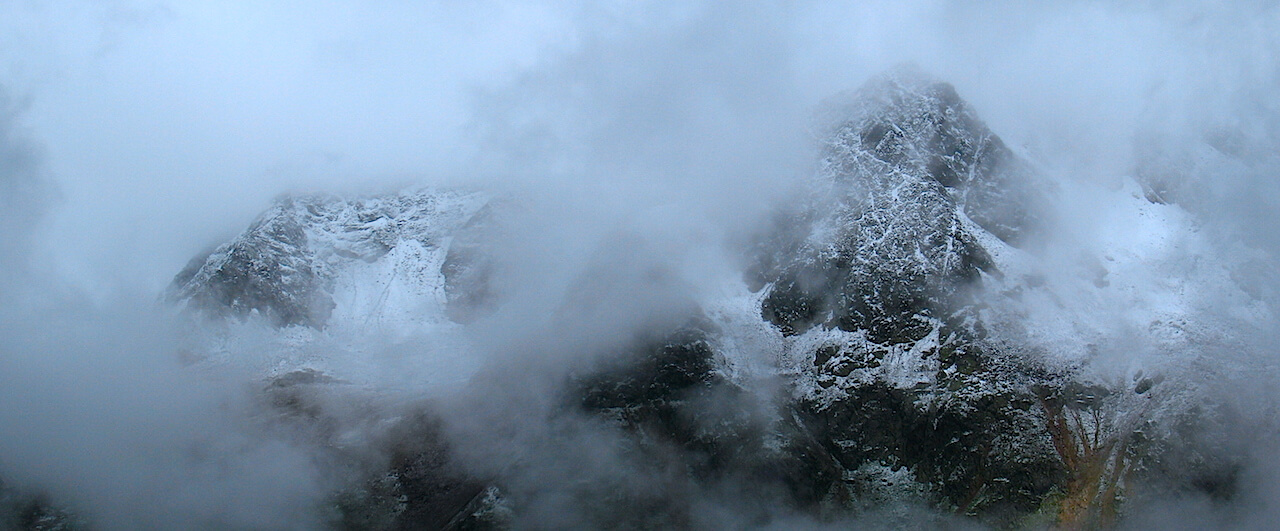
column 642, row 147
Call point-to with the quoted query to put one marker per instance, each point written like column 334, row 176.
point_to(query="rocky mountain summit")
column 906, row 302
column 911, row 369
column 911, row 183
column 877, row 292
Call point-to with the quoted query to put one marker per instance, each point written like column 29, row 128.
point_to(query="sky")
column 166, row 126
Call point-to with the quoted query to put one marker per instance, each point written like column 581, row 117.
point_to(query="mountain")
column 948, row 350
column 908, row 342
column 312, row 256
column 878, row 295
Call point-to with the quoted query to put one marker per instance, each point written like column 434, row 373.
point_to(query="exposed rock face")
column 269, row 270
column 907, row 133
column 909, row 175
column 873, row 289
column 422, row 488
column 920, row 389
column 289, row 263
column 683, row 415
column 402, row 475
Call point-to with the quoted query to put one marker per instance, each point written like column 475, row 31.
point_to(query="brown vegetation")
column 1092, row 442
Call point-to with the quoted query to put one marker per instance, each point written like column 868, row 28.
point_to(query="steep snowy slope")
column 320, row 260
column 353, row 289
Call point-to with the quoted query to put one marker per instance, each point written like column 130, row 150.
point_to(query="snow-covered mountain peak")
column 904, row 136
column 912, row 333
column 312, row 259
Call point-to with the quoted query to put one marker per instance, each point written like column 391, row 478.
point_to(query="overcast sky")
column 166, row 126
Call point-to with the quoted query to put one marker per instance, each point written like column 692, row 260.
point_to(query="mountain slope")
column 915, row 338
column 313, row 255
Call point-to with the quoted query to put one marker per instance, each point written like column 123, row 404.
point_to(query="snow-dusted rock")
column 314, row 259
column 910, row 182
column 877, row 292
column 919, row 333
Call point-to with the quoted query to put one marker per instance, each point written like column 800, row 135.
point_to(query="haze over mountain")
column 640, row 266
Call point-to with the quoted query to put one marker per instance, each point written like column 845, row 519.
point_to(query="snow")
column 749, row 346
column 1143, row 279
column 380, row 258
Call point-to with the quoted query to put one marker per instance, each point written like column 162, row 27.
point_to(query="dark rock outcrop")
column 668, row 396
column 269, row 270
column 25, row 511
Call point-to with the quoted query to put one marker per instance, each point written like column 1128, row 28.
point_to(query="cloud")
column 25, row 193
column 667, row 129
